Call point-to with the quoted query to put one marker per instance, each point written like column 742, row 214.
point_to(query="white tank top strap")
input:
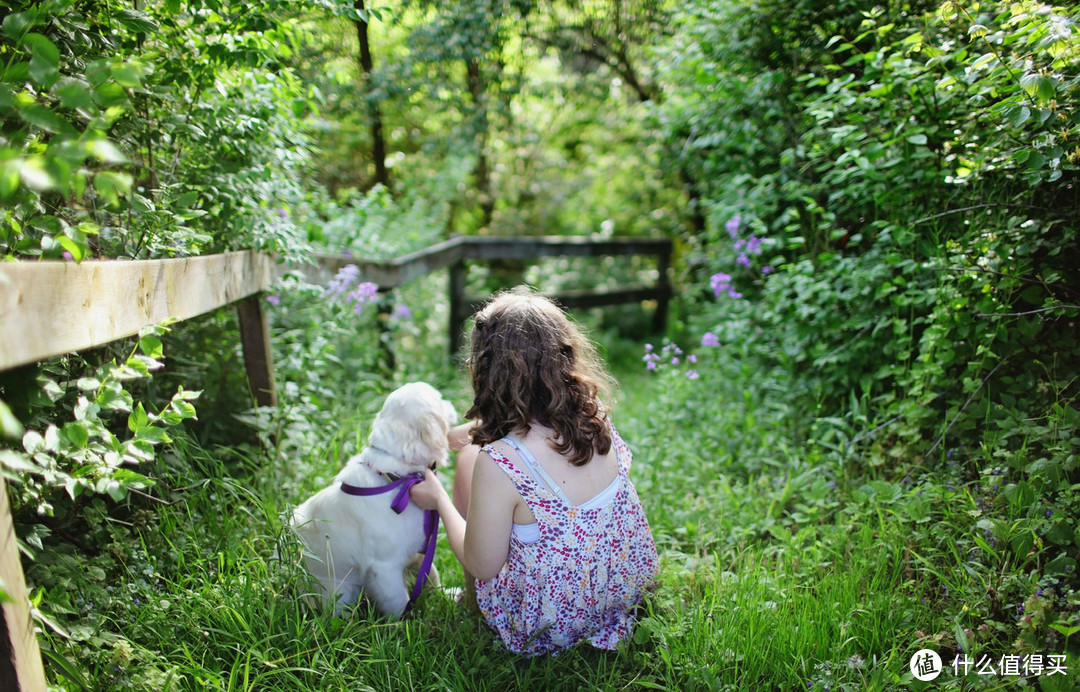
column 539, row 474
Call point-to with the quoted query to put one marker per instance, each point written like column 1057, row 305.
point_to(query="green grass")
column 781, row 569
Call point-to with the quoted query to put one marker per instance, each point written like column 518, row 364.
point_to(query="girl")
column 555, row 535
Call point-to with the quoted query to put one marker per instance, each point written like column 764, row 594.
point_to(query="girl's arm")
column 458, row 436
column 482, row 543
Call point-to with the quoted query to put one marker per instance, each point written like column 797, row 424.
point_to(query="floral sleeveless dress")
column 583, row 576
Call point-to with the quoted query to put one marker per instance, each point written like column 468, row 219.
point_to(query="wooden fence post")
column 20, row 659
column 457, row 305
column 258, row 358
column 383, row 311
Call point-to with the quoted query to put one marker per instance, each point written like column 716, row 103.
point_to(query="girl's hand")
column 428, row 493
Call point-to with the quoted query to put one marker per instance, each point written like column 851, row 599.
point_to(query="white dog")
column 360, row 544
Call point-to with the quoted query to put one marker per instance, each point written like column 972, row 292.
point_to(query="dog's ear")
column 426, row 441
column 451, row 414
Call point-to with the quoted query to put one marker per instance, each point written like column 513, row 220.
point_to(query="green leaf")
column 111, row 184
column 34, row 175
column 1065, row 629
column 110, row 94
column 41, row 117
column 145, row 363
column 1019, row 115
column 153, row 435
column 76, row 433
column 1062, row 564
column 107, row 151
column 138, row 420
column 78, row 250
column 33, row 442
column 151, row 346
column 183, row 409
column 127, row 75
column 9, row 177
column 16, row 24
column 136, row 21
column 9, row 424
column 1038, row 85
column 917, row 138
column 74, row 93
column 17, row 462
column 115, row 490
column 44, row 59
column 187, row 394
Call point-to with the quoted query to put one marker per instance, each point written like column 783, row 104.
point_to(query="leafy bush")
column 890, row 243
column 156, row 132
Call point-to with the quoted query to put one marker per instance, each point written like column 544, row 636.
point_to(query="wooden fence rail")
column 48, row 309
column 454, row 253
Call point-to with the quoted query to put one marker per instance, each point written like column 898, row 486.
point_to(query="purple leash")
column 398, row 504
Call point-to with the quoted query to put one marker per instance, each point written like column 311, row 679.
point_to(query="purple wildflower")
column 710, row 340
column 68, row 256
column 364, row 293
column 720, row 282
column 768, row 269
column 345, row 277
column 743, row 259
column 651, row 365
column 675, row 361
column 692, row 358
column 401, row 312
column 692, row 374
column 648, row 348
column 274, row 300
column 753, row 245
column 732, row 226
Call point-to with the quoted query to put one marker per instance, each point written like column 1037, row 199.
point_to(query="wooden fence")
column 49, row 309
column 456, row 252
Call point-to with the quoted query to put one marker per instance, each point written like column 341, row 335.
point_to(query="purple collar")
column 398, row 504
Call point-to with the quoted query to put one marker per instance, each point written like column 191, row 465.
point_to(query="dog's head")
column 411, row 428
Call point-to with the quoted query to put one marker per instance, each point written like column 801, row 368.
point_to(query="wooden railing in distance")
column 454, row 253
column 50, row 308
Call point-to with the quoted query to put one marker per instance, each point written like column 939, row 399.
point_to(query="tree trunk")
column 378, row 142
column 482, row 172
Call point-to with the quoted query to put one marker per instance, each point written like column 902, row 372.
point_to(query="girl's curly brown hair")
column 531, row 364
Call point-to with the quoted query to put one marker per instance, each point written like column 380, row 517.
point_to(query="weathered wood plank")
column 390, row 273
column 401, row 270
column 50, row 308
column 590, row 299
column 489, row 248
column 20, row 657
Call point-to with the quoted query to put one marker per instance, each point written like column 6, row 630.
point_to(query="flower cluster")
column 364, row 292
column 721, row 283
column 670, row 354
column 746, row 247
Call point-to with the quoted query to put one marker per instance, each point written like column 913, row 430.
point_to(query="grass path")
column 778, row 572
